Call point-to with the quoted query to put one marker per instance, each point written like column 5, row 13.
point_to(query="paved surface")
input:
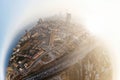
column 63, row 63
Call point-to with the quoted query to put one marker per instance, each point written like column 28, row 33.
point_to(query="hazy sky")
column 101, row 17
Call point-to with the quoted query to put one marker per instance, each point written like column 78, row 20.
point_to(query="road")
column 63, row 63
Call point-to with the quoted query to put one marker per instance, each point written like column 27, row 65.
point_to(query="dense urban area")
column 58, row 49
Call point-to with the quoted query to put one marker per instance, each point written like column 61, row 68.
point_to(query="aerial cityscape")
column 58, row 49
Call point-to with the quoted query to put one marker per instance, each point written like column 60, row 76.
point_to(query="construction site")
column 58, row 49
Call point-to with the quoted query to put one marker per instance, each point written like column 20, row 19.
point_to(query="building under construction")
column 58, row 49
